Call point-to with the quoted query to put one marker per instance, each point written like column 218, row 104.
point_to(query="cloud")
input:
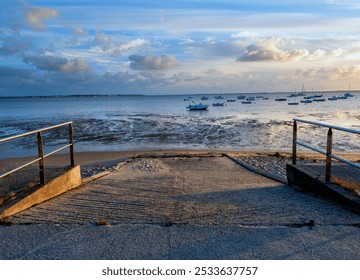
column 10, row 72
column 102, row 40
column 14, row 44
column 329, row 74
column 77, row 33
column 245, row 34
column 35, row 16
column 352, row 71
column 150, row 62
column 80, row 31
column 319, row 54
column 269, row 50
column 274, row 49
column 116, row 49
column 136, row 45
column 55, row 63
column 183, row 77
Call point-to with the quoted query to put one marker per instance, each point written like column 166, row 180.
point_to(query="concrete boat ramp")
column 183, row 207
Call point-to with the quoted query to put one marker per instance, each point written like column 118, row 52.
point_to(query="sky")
column 52, row 47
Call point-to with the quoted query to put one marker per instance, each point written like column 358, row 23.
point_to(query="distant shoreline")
column 180, row 94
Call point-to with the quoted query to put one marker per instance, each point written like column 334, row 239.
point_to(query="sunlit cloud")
column 269, row 50
column 276, row 49
column 35, row 16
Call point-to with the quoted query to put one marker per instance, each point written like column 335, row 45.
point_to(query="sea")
column 162, row 122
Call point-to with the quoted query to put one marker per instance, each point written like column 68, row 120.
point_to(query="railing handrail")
column 329, row 126
column 41, row 155
column 328, row 152
column 33, row 132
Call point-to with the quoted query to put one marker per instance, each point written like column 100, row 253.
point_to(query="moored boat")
column 342, row 97
column 200, row 106
column 306, row 101
column 309, row 97
column 318, row 95
column 218, row 104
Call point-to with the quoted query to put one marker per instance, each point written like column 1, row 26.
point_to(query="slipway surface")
column 198, row 207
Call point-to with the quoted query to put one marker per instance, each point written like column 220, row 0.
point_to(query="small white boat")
column 200, row 106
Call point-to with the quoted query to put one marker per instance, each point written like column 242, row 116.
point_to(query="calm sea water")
column 106, row 123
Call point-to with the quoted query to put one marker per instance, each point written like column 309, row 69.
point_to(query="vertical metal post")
column 294, row 143
column 71, row 142
column 328, row 157
column 41, row 157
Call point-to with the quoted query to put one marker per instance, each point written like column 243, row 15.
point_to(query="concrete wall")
column 67, row 181
column 307, row 179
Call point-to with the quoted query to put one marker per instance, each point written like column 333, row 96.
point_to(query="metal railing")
column 40, row 148
column 328, row 152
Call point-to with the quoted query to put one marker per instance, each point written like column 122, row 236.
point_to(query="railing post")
column 41, row 157
column 71, row 142
column 328, row 156
column 294, row 143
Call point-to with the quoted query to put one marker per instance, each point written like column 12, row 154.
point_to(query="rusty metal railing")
column 328, row 152
column 40, row 145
